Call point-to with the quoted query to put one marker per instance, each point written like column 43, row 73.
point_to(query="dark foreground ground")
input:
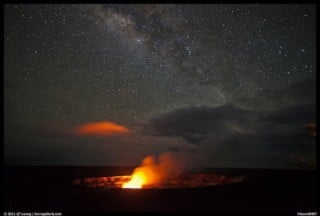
column 50, row 189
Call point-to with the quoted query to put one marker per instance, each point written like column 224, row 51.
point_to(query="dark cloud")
column 196, row 123
column 238, row 134
column 295, row 114
column 203, row 122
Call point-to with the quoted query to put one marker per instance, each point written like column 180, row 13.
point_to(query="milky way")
column 66, row 65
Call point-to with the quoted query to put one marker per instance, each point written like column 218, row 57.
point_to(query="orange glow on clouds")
column 104, row 128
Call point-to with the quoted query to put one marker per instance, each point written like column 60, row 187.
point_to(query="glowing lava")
column 154, row 171
column 137, row 180
column 164, row 171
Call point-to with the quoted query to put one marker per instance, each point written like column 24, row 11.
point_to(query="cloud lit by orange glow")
column 104, row 128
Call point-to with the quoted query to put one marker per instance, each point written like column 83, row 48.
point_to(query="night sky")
column 222, row 85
